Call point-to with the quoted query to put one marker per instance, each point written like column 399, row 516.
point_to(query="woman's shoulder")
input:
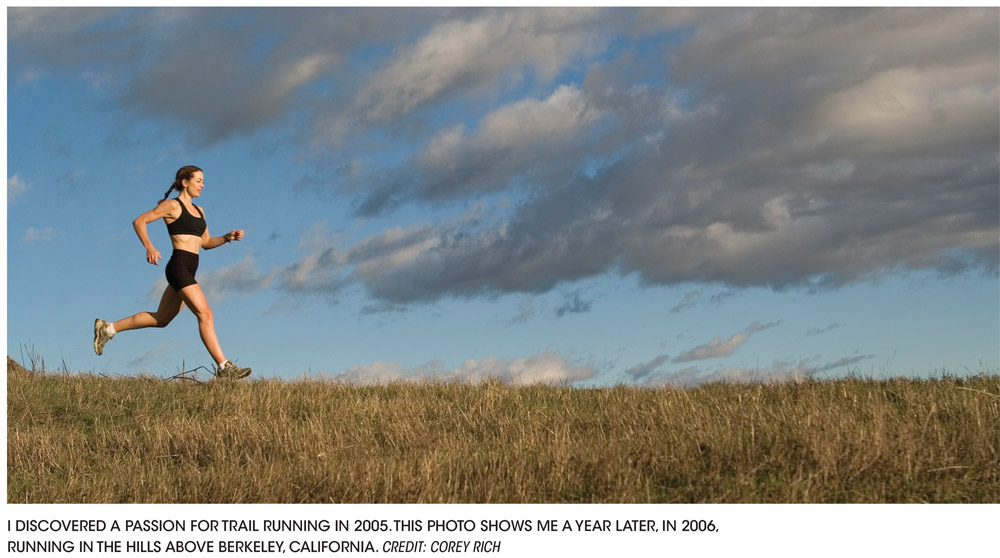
column 169, row 207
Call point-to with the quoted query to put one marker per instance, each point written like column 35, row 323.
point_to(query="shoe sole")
column 97, row 336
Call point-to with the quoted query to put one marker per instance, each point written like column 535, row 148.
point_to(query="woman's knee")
column 162, row 320
column 204, row 313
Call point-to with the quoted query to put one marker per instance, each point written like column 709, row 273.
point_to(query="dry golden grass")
column 83, row 438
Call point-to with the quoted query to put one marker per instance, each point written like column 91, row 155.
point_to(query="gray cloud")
column 844, row 362
column 691, row 298
column 573, row 304
column 477, row 51
column 525, row 311
column 694, row 298
column 38, row 38
column 521, row 143
column 757, row 326
column 219, row 72
column 718, row 298
column 799, row 168
column 645, row 369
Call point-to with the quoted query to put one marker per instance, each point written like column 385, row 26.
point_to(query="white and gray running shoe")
column 232, row 372
column 101, row 335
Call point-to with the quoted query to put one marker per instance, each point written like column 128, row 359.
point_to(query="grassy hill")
column 86, row 438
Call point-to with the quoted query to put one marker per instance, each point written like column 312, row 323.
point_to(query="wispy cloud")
column 691, row 298
column 718, row 347
column 694, row 298
column 34, row 236
column 525, row 310
column 715, row 348
column 573, row 304
column 240, row 278
column 149, row 356
column 844, row 362
column 694, row 376
column 16, row 188
column 545, row 368
column 644, row 370
column 819, row 331
column 778, row 371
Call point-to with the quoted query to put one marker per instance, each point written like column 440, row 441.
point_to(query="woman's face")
column 195, row 184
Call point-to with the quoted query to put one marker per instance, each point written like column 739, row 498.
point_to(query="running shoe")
column 232, row 372
column 101, row 335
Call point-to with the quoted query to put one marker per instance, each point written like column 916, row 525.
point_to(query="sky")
column 583, row 197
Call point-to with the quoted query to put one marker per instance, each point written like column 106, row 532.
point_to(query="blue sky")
column 579, row 196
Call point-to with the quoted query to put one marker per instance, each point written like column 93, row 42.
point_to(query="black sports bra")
column 187, row 223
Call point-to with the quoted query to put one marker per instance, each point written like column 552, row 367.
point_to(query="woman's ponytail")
column 183, row 173
column 175, row 186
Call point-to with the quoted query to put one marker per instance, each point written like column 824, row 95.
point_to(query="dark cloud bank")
column 772, row 147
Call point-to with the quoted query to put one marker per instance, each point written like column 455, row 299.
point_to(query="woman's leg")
column 170, row 304
column 195, row 300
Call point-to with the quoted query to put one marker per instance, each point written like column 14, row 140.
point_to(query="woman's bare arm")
column 163, row 209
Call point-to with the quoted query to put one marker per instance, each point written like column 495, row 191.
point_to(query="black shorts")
column 181, row 269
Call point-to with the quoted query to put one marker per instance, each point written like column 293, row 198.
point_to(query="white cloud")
column 560, row 115
column 906, row 109
column 518, row 126
column 374, row 373
column 33, row 235
column 480, row 51
column 715, row 348
column 718, row 347
column 524, row 141
column 16, row 187
column 546, row 368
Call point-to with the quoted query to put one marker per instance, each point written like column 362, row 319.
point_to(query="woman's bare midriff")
column 186, row 242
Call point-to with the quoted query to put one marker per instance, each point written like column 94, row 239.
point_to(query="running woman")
column 188, row 233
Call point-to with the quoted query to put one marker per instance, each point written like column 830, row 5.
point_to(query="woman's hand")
column 234, row 235
column 153, row 256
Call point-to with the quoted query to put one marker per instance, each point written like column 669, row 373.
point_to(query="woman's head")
column 184, row 174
